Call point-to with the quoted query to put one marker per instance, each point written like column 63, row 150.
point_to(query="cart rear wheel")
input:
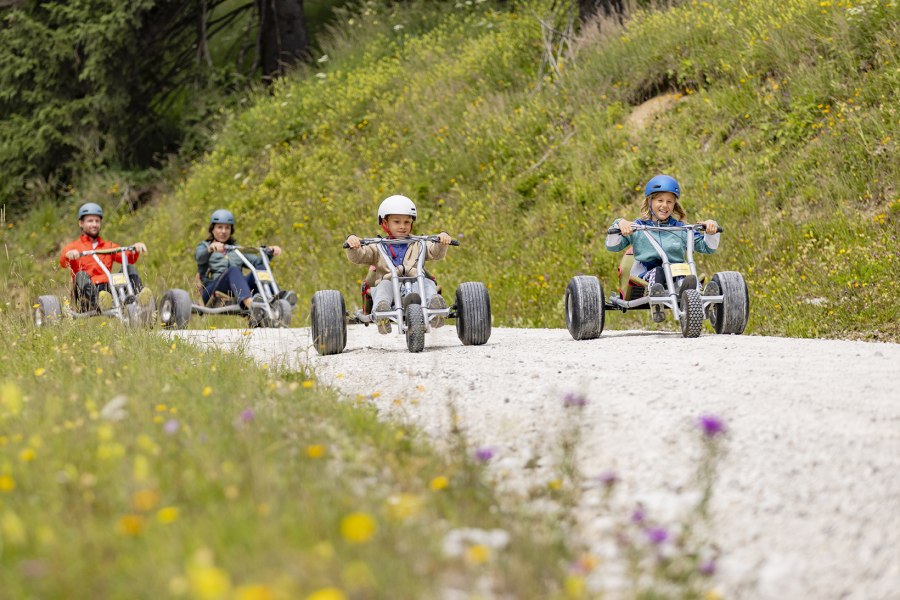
column 731, row 316
column 282, row 313
column 175, row 309
column 584, row 307
column 691, row 313
column 47, row 311
column 473, row 313
column 329, row 327
column 415, row 328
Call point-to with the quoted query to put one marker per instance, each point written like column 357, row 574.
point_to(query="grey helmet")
column 89, row 208
column 222, row 216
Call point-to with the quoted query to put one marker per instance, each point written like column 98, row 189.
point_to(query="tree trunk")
column 606, row 8
column 283, row 40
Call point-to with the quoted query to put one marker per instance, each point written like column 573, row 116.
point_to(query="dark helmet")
column 662, row 183
column 89, row 208
column 222, row 216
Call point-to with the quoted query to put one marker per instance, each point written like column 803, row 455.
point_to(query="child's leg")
column 434, row 301
column 383, row 300
column 383, row 294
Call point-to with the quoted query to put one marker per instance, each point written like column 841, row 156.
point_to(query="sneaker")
column 104, row 300
column 145, row 297
column 688, row 283
column 437, row 302
column 384, row 325
column 656, row 310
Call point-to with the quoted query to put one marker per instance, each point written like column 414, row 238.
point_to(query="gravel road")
column 808, row 499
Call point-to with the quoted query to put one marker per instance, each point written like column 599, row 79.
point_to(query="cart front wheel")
column 584, row 307
column 329, row 327
column 473, row 313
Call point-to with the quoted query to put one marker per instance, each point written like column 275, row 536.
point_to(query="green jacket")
column 673, row 242
column 211, row 265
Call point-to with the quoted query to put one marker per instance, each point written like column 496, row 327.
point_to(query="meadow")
column 782, row 125
column 126, row 457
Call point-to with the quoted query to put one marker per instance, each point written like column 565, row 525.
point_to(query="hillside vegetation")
column 782, row 125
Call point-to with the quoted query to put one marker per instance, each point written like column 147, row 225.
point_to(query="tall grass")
column 133, row 466
column 784, row 131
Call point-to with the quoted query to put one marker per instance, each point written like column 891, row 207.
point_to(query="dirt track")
column 807, row 501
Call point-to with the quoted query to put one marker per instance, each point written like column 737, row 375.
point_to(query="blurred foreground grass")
column 132, row 466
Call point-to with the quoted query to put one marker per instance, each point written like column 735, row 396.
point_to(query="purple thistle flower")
column 484, row 454
column 171, row 427
column 609, row 479
column 638, row 515
column 708, row 567
column 573, row 399
column 656, row 535
column 711, row 425
column 247, row 415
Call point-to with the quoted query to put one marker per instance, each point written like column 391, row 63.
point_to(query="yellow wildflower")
column 315, row 451
column 327, row 594
column 358, row 528
column 131, row 525
column 439, row 483
column 7, row 483
column 168, row 514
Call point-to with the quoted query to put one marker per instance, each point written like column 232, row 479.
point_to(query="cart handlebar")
column 693, row 227
column 400, row 241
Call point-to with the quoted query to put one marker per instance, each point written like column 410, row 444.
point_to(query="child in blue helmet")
column 221, row 271
column 660, row 207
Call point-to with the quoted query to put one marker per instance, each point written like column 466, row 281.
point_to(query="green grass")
column 223, row 477
column 788, row 141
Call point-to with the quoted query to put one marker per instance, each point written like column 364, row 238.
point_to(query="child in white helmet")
column 396, row 216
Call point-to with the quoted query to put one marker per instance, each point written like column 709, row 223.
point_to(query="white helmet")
column 396, row 205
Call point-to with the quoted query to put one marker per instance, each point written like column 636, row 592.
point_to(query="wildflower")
column 315, row 451
column 247, row 415
column 401, row 507
column 171, row 426
column 329, row 593
column 711, row 425
column 309, row 383
column 656, row 535
column 573, row 399
column 478, row 554
column 458, row 541
column 145, row 500
column 608, row 479
column 114, row 410
column 39, row 371
column 254, row 592
column 708, row 567
column 7, row 483
column 438, row 483
column 168, row 514
column 358, row 528
column 638, row 515
column 484, row 454
column 27, row 455
column 131, row 525
column 207, row 391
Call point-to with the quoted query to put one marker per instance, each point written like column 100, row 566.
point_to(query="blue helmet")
column 89, row 208
column 662, row 183
column 222, row 216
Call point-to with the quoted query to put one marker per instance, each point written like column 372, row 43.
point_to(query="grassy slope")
column 785, row 132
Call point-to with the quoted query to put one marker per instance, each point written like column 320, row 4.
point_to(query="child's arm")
column 437, row 251
column 359, row 254
column 619, row 241
column 710, row 240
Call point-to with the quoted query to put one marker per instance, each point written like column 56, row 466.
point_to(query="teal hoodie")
column 673, row 242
